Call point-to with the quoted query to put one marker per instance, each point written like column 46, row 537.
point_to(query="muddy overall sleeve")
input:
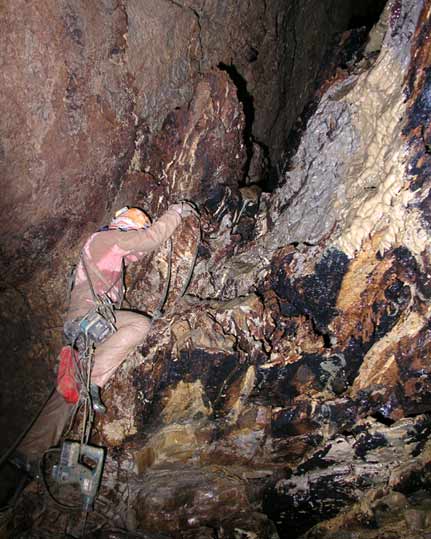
column 136, row 243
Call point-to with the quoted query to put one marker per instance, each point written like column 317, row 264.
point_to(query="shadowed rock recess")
column 288, row 393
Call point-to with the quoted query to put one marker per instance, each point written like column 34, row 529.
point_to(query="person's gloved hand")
column 185, row 209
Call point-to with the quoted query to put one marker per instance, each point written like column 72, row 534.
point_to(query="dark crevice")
column 265, row 182
column 274, row 175
column 247, row 102
column 297, row 244
column 384, row 420
column 326, row 340
column 343, row 53
column 366, row 13
column 325, row 336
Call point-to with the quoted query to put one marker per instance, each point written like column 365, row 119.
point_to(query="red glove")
column 67, row 384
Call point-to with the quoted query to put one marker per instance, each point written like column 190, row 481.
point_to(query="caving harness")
column 83, row 334
column 81, row 463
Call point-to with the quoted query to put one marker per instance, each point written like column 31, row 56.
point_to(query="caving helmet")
column 130, row 219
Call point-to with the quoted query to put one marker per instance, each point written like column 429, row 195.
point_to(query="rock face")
column 291, row 385
column 261, row 45
column 67, row 135
column 92, row 98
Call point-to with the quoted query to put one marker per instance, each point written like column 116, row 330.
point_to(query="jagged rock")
column 338, row 474
column 379, row 515
column 189, row 499
column 291, row 385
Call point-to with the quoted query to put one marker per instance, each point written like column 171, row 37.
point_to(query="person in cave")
column 99, row 274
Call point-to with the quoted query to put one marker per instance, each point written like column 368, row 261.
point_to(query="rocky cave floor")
column 288, row 393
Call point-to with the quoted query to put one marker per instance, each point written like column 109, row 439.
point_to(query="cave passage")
column 366, row 13
column 290, row 384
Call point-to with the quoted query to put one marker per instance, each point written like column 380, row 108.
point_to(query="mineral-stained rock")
column 261, row 46
column 380, row 514
column 188, row 498
column 199, row 150
column 291, row 384
column 199, row 155
column 338, row 473
column 66, row 138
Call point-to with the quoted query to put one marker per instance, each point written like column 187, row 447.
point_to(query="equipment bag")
column 67, row 384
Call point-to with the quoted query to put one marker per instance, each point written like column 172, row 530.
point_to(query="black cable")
column 158, row 313
column 195, row 257
column 45, row 483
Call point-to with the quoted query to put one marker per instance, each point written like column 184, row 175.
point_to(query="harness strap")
column 104, row 306
column 102, row 278
column 70, row 283
column 93, row 293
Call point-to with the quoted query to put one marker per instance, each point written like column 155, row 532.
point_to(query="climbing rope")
column 53, row 498
column 193, row 264
column 83, row 371
column 158, row 312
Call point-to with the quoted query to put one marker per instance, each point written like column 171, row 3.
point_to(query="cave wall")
column 64, row 90
column 296, row 374
column 88, row 91
column 292, row 383
column 261, row 44
column 67, row 133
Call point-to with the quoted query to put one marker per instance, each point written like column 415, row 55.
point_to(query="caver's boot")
column 96, row 401
column 23, row 465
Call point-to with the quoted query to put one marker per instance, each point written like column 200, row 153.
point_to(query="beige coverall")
column 105, row 253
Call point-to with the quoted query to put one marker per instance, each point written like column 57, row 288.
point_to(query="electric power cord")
column 46, row 486
column 158, row 312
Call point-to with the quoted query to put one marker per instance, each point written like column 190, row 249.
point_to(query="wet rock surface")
column 287, row 393
column 98, row 98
